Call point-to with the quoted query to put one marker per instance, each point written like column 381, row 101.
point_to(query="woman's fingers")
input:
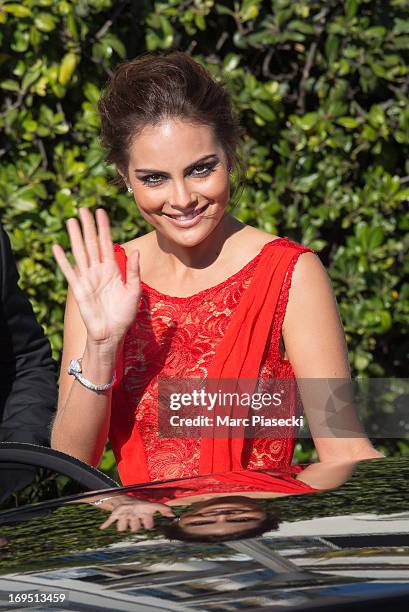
column 90, row 243
column 147, row 521
column 122, row 523
column 77, row 244
column 166, row 511
column 135, row 517
column 65, row 265
column 108, row 522
column 134, row 523
column 90, row 235
column 104, row 232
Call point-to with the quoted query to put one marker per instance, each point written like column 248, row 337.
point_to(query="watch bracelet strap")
column 101, row 501
column 87, row 383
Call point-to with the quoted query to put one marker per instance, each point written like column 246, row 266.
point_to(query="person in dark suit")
column 28, row 374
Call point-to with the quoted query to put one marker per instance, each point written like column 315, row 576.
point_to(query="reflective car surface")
column 346, row 548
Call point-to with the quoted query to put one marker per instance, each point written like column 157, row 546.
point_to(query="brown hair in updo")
column 155, row 87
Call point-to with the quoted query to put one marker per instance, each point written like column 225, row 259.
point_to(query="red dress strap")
column 283, row 299
column 120, row 257
column 240, row 353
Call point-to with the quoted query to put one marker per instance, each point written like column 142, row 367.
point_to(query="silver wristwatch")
column 75, row 370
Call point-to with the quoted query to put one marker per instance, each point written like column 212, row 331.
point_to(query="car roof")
column 332, row 548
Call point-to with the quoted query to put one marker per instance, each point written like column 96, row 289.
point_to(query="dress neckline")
column 235, row 276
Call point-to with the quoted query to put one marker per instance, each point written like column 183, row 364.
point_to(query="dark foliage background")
column 322, row 91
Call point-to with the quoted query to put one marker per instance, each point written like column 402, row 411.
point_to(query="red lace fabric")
column 177, row 337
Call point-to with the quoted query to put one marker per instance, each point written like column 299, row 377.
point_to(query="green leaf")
column 308, row 121
column 167, row 30
column 259, row 121
column 379, row 70
column 30, row 125
column 362, row 232
column 72, row 26
column 115, row 43
column 249, row 10
column 200, row 22
column 351, row 8
column 45, row 22
column 263, row 110
column 348, row 122
column 376, row 32
column 152, row 41
column 307, row 182
column 361, row 362
column 402, row 195
column 385, row 321
column 369, row 133
column 22, row 204
column 16, row 9
column 301, row 26
column 376, row 116
column 376, row 237
column 230, row 62
column 401, row 26
column 21, row 41
column 331, row 48
column 92, row 92
column 10, row 85
column 223, row 10
column 30, row 77
column 35, row 37
column 67, row 68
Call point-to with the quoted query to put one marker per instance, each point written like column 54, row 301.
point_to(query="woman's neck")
column 177, row 258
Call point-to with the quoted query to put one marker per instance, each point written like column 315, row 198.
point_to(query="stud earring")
column 130, row 190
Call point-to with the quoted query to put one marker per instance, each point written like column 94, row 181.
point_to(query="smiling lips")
column 189, row 216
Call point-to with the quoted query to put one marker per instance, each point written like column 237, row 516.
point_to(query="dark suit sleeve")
column 28, row 386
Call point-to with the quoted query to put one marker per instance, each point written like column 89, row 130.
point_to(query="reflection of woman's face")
column 221, row 516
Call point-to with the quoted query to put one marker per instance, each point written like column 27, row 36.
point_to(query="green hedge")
column 322, row 91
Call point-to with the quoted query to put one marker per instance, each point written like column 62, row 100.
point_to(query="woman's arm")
column 327, row 475
column 81, row 424
column 315, row 345
column 100, row 309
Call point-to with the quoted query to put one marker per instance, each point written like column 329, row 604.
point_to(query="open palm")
column 107, row 304
column 135, row 515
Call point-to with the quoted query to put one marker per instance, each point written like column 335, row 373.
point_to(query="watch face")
column 74, row 367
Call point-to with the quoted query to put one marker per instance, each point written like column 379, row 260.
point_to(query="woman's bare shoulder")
column 254, row 238
column 142, row 243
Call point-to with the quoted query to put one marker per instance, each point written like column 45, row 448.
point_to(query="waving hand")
column 107, row 305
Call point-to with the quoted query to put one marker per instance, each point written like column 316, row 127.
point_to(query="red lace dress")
column 177, row 337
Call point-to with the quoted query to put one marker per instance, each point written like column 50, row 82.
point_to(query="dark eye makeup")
column 200, row 170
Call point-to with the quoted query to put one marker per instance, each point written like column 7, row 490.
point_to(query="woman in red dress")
column 201, row 296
